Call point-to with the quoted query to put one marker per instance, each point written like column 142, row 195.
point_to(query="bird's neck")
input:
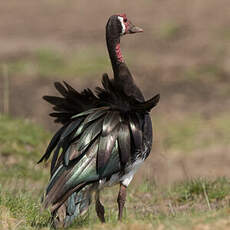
column 122, row 75
column 114, row 49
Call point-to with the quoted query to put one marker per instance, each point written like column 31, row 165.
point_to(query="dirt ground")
column 179, row 38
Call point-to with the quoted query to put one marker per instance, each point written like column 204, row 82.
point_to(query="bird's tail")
column 75, row 206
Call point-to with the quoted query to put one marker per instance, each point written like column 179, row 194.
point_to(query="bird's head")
column 120, row 25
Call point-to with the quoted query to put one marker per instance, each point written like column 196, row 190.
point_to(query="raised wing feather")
column 124, row 143
column 111, row 120
column 136, row 130
column 97, row 138
column 106, row 146
column 101, row 148
column 52, row 144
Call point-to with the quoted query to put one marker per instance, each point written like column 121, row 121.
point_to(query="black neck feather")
column 113, row 40
column 122, row 75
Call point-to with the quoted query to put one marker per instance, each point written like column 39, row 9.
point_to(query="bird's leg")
column 121, row 200
column 99, row 207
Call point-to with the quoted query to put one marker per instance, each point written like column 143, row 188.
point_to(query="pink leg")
column 121, row 201
column 99, row 207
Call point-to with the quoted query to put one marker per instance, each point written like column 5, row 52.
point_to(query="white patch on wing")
column 121, row 19
column 127, row 178
column 101, row 184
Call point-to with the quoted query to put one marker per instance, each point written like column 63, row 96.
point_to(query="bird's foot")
column 100, row 211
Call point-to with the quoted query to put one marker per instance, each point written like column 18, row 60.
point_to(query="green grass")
column 216, row 190
column 21, row 180
column 195, row 202
column 21, row 145
column 25, row 208
column 21, row 137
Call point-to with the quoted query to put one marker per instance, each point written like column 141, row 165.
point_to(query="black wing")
column 94, row 143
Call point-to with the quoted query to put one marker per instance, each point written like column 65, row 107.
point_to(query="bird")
column 105, row 136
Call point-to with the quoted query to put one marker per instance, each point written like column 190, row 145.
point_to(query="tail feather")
column 146, row 106
column 75, row 206
column 71, row 102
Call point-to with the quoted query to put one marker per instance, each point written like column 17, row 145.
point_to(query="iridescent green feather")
column 136, row 130
column 85, row 169
column 84, row 113
column 124, row 143
column 111, row 119
column 105, row 148
column 89, row 134
column 97, row 114
column 113, row 165
column 71, row 127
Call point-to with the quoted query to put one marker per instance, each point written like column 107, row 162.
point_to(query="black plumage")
column 104, row 135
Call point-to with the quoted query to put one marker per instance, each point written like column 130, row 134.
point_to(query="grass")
column 194, row 132
column 21, row 180
column 202, row 202
column 25, row 210
column 21, row 145
column 216, row 190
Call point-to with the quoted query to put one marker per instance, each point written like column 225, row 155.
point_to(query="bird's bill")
column 134, row 29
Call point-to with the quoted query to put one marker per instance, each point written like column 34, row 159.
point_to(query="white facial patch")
column 121, row 19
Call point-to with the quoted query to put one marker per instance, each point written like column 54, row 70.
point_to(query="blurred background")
column 183, row 54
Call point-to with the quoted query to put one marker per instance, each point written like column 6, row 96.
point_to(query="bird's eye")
column 125, row 19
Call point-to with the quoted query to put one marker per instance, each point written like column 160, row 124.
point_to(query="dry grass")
column 149, row 205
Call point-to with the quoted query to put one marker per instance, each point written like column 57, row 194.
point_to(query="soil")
column 178, row 37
